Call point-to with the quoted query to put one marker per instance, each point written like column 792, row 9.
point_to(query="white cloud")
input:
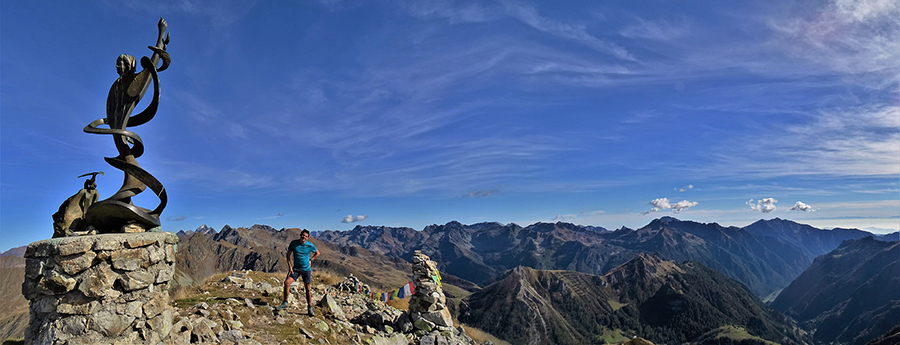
column 351, row 219
column 663, row 204
column 683, row 205
column 799, row 206
column 685, row 188
column 763, row 205
column 660, row 204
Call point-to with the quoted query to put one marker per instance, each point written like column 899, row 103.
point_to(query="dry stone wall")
column 100, row 289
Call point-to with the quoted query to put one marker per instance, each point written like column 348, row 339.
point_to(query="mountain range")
column 766, row 255
column 670, row 281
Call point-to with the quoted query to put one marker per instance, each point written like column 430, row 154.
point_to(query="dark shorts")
column 307, row 275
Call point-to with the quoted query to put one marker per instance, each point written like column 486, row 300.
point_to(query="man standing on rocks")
column 299, row 259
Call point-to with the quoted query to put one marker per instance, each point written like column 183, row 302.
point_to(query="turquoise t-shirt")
column 301, row 254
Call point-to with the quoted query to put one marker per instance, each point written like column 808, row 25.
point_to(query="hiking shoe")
column 311, row 312
column 283, row 305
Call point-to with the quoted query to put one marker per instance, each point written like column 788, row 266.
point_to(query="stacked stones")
column 428, row 305
column 350, row 284
column 107, row 289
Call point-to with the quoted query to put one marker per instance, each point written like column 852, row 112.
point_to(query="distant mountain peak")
column 17, row 252
column 661, row 222
column 206, row 230
column 643, row 266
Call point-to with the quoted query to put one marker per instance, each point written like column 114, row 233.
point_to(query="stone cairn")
column 427, row 322
column 428, row 305
column 100, row 289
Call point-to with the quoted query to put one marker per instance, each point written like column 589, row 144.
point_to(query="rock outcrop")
column 109, row 288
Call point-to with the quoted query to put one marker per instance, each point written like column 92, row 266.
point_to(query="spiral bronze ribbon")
column 111, row 214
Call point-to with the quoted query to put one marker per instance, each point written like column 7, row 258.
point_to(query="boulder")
column 331, row 306
column 393, row 339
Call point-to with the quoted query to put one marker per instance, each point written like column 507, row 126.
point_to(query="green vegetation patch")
column 612, row 336
column 733, row 333
column 616, row 305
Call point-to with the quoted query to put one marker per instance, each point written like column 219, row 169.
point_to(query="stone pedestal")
column 100, row 289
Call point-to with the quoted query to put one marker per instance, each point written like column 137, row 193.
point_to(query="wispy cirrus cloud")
column 210, row 115
column 855, row 141
column 655, row 29
column 575, row 32
column 482, row 193
column 847, row 36
column 388, row 119
column 528, row 14
column 219, row 13
column 463, row 13
column 211, row 178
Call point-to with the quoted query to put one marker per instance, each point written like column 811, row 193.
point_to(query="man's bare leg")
column 309, row 300
column 287, row 288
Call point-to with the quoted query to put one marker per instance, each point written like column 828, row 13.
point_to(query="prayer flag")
column 412, row 288
column 402, row 293
column 394, row 294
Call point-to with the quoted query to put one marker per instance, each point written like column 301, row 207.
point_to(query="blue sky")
column 330, row 114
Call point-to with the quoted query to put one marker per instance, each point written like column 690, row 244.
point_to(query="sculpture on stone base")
column 117, row 213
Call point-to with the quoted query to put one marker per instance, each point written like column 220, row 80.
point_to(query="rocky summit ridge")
column 238, row 309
